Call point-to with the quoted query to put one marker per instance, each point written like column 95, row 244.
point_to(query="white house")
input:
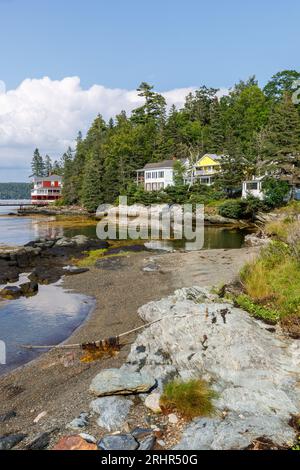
column 156, row 176
column 253, row 188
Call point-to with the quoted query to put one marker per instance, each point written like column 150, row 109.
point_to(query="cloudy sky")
column 61, row 63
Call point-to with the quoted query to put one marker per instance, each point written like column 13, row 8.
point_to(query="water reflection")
column 48, row 318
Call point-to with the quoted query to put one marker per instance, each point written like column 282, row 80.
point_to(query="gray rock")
column 113, row 412
column 9, row 442
column 119, row 382
column 145, row 438
column 7, row 416
column 65, row 242
column 79, row 423
column 147, row 443
column 118, row 442
column 88, row 438
column 255, row 372
column 254, row 240
column 151, row 268
column 233, row 433
column 73, row 270
column 81, row 240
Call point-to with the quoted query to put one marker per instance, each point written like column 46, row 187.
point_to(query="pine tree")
column 216, row 137
column 47, row 166
column 92, row 191
column 37, row 164
column 281, row 152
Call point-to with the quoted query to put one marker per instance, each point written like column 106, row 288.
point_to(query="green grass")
column 91, row 257
column 272, row 284
column 190, row 399
column 95, row 255
column 257, row 311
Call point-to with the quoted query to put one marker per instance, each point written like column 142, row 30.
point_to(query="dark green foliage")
column 281, row 83
column 241, row 209
column 254, row 130
column 15, row 190
column 37, row 164
column 232, row 209
column 275, row 192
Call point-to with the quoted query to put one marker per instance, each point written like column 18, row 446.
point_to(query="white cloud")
column 47, row 114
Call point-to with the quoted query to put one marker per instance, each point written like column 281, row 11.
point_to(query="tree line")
column 254, row 128
column 15, row 191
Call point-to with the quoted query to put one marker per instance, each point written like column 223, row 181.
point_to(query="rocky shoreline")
column 257, row 394
column 77, row 211
column 45, row 259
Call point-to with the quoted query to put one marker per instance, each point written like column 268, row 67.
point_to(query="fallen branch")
column 100, row 342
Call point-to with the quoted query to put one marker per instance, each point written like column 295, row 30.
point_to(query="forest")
column 256, row 129
column 15, row 191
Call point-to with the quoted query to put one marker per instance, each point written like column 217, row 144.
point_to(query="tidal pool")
column 48, row 318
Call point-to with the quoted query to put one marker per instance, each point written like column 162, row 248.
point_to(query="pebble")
column 78, row 423
column 173, row 419
column 153, row 402
column 118, row 442
column 39, row 417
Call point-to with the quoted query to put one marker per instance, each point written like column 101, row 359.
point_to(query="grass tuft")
column 190, row 399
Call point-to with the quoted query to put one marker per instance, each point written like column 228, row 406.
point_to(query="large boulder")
column 235, row 432
column 254, row 371
column 118, row 382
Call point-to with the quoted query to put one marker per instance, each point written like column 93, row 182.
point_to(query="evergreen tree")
column 216, row 135
column 37, row 164
column 281, row 153
column 92, row 193
column 47, row 166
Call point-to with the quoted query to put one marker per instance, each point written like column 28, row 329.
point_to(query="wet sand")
column 57, row 382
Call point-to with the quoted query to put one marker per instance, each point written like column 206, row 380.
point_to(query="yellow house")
column 207, row 167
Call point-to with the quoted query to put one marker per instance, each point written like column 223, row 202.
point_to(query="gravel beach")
column 56, row 384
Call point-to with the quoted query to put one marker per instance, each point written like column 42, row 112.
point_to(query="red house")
column 46, row 189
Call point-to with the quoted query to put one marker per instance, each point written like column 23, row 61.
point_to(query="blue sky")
column 117, row 44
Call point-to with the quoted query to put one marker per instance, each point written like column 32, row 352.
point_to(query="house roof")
column 213, row 156
column 48, row 178
column 162, row 164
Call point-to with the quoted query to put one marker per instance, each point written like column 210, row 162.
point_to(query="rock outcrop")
column 254, row 372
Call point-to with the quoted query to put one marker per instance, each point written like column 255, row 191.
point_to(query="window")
column 148, row 175
column 252, row 186
column 154, row 186
column 205, row 181
column 161, row 174
column 154, row 174
column 148, row 187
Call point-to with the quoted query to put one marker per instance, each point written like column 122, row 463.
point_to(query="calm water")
column 21, row 230
column 53, row 314
column 48, row 318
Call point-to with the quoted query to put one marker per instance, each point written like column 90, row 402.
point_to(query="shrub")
column 190, row 399
column 232, row 209
column 251, row 206
column 275, row 191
